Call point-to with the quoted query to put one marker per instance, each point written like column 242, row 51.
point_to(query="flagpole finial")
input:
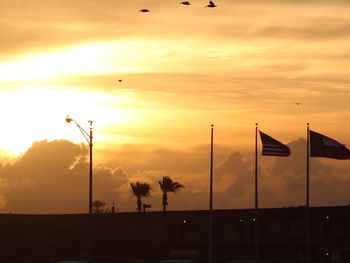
column 212, row 125
column 308, row 124
column 256, row 124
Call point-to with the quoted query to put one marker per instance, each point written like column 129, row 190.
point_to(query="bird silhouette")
column 211, row 4
column 120, row 80
column 185, row 3
column 144, row 10
column 298, row 103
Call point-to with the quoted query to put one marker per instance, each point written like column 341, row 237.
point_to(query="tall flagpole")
column 256, row 243
column 210, row 252
column 307, row 219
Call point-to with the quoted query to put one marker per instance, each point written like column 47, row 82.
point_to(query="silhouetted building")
column 152, row 235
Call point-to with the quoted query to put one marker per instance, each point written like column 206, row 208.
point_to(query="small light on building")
column 328, row 217
column 327, row 253
column 240, row 220
column 254, row 219
column 184, row 221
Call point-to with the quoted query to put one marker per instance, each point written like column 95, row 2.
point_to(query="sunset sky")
column 182, row 68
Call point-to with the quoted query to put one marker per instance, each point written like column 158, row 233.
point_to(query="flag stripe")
column 272, row 147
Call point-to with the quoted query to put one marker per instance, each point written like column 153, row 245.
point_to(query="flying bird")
column 298, row 103
column 211, row 4
column 144, row 10
column 185, row 3
column 120, row 80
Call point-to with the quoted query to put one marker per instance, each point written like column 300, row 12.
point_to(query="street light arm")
column 86, row 135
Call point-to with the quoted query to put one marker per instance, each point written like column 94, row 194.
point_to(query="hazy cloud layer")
column 27, row 25
column 51, row 177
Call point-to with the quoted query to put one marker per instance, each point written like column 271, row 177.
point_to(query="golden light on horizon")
column 38, row 114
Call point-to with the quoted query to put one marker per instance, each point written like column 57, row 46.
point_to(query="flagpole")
column 210, row 252
column 256, row 247
column 307, row 222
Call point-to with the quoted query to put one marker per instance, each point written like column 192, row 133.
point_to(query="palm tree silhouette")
column 140, row 190
column 167, row 185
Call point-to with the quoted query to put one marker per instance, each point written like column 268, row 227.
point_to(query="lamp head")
column 68, row 120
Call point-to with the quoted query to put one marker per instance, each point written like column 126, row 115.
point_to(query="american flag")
column 323, row 146
column 272, row 147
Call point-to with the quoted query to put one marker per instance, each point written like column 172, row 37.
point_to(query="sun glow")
column 36, row 106
column 96, row 59
column 83, row 59
column 39, row 114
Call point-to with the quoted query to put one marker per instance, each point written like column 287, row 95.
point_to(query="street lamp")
column 88, row 138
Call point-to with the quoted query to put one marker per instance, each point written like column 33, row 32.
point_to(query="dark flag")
column 323, row 146
column 273, row 147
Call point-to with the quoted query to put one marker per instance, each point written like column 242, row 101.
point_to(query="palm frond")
column 141, row 189
column 167, row 185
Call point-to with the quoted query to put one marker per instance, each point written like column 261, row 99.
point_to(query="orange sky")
column 182, row 68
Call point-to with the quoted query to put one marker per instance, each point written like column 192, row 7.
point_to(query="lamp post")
column 88, row 138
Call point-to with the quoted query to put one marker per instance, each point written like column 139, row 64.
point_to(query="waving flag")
column 323, row 146
column 273, row 147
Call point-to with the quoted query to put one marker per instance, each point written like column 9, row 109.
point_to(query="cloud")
column 281, row 180
column 66, row 23
column 43, row 178
column 70, row 23
column 52, row 177
column 235, row 180
column 284, row 183
column 324, row 30
column 296, row 163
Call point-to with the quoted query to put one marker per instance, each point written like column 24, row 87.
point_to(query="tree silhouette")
column 140, row 190
column 167, row 185
column 98, row 206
